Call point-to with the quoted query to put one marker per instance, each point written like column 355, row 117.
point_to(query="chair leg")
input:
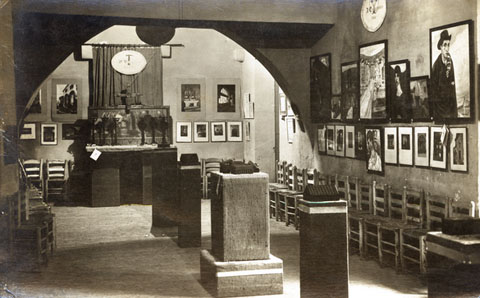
column 277, row 207
column 402, row 250
column 379, row 245
column 361, row 243
column 397, row 254
column 296, row 214
column 423, row 255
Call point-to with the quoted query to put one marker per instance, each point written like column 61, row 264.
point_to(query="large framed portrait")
column 28, row 132
column 331, row 139
column 360, row 145
column 339, row 140
column 350, row 91
column 399, row 91
column 374, row 153
column 391, row 149
column 458, row 149
column 66, row 100
column 217, row 130
column 200, row 132
column 350, row 141
column 49, row 134
column 421, row 147
column 452, row 71
column 438, row 151
column 372, row 69
column 234, row 131
column 320, row 88
column 421, row 108
column 405, row 146
column 321, row 141
column 184, row 132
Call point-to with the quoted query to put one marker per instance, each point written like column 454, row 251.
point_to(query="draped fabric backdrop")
column 107, row 82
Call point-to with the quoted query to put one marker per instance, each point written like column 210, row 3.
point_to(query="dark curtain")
column 107, row 82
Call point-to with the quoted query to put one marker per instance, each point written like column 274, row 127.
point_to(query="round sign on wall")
column 373, row 14
column 129, row 62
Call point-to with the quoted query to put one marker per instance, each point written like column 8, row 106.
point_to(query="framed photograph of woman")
column 438, row 151
column 405, row 146
column 391, row 149
column 452, row 72
column 331, row 139
column 374, row 153
column 360, row 142
column 458, row 149
column 49, row 134
column 421, row 108
column 372, row 73
column 350, row 87
column 320, row 88
column 217, row 130
column 350, row 141
column 340, row 140
column 184, row 132
column 421, row 147
column 399, row 93
column 321, row 142
column 200, row 132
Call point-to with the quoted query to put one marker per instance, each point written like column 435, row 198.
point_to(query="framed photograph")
column 184, row 132
column 458, row 149
column 28, row 132
column 372, row 68
column 350, row 91
column 340, row 140
column 438, row 151
column 374, row 141
column 350, row 141
column 37, row 111
column 217, row 130
column 234, row 131
column 200, row 132
column 421, row 108
column 191, row 97
column 69, row 131
column 331, row 140
column 421, row 145
column 360, row 146
column 247, row 131
column 321, row 141
column 399, row 91
column 49, row 134
column 405, row 146
column 391, row 149
column 248, row 106
column 226, row 98
column 66, row 100
column 290, row 129
column 336, row 105
column 320, row 88
column 452, row 71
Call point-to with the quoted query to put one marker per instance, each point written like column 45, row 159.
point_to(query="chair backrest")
column 413, row 203
column 290, row 173
column 341, row 182
column 365, row 197
column 436, row 208
column 300, row 179
column 312, row 176
column 380, row 198
column 33, row 169
column 323, row 179
column 280, row 168
column 461, row 209
column 353, row 188
column 211, row 165
column 396, row 204
column 56, row 169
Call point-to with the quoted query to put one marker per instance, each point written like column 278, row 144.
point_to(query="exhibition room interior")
column 237, row 148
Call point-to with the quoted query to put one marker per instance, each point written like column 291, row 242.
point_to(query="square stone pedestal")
column 241, row 278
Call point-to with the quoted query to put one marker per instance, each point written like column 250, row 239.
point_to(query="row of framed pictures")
column 374, row 90
column 213, row 131
column 406, row 146
column 48, row 132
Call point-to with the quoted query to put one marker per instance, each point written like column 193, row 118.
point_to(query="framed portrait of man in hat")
column 452, row 72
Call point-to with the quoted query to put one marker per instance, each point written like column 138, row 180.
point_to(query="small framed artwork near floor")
column 217, row 130
column 28, row 132
column 458, row 149
column 421, row 147
column 49, row 134
column 184, row 132
column 405, row 146
column 340, row 140
column 391, row 149
column 331, row 139
column 200, row 132
column 375, row 157
column 321, row 142
column 350, row 141
column 438, row 151
column 66, row 99
column 234, row 131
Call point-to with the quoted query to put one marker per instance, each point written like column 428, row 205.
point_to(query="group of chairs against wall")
column 384, row 221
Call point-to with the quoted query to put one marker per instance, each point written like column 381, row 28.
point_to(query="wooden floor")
column 113, row 252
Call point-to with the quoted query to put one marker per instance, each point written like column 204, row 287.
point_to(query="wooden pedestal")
column 106, row 180
column 190, row 225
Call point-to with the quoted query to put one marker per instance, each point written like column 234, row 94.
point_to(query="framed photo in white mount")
column 49, row 134
column 321, row 142
column 340, row 140
column 184, row 132
column 234, row 131
column 331, row 139
column 217, row 131
column 28, row 132
column 421, row 147
column 200, row 132
column 391, row 149
column 458, row 149
column 350, row 141
column 438, row 150
column 405, row 146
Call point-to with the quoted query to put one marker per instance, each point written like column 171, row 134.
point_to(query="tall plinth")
column 323, row 249
column 240, row 263
column 189, row 227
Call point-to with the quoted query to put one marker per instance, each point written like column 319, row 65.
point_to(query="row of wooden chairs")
column 48, row 176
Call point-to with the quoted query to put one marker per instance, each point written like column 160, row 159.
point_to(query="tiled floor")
column 113, row 252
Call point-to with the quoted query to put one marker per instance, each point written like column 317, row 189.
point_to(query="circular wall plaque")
column 373, row 14
column 129, row 62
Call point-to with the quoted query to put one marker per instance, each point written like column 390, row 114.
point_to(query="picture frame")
column 66, row 99
column 405, row 146
column 420, row 99
column 217, row 131
column 422, row 147
column 321, row 139
column 234, row 131
column 452, row 86
column 336, row 105
column 458, row 149
column 226, row 96
column 373, row 102
column 247, row 131
column 350, row 91
column 438, row 150
column 28, row 132
column 290, row 122
column 350, row 141
column 340, row 140
column 200, row 132
column 330, row 137
column 248, row 106
column 48, row 134
column 374, row 150
column 399, row 91
column 191, row 96
column 320, row 88
column 360, row 145
column 37, row 111
column 391, row 145
column 184, row 132
column 69, row 131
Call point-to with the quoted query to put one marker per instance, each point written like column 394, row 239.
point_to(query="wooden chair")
column 461, row 209
column 209, row 165
column 322, row 179
column 341, row 182
column 310, row 177
column 371, row 222
column 34, row 173
column 273, row 188
column 56, row 177
column 296, row 182
column 358, row 194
